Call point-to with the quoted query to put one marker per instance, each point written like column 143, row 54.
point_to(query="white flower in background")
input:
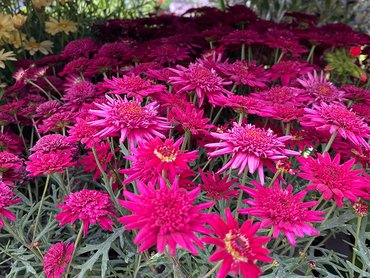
column 33, row 46
column 6, row 56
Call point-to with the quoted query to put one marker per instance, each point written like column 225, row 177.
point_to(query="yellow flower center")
column 166, row 154
column 237, row 245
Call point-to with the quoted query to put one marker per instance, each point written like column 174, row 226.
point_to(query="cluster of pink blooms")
column 182, row 117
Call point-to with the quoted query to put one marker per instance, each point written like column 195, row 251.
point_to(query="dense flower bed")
column 215, row 143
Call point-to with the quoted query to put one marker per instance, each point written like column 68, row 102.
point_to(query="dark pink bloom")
column 49, row 163
column 337, row 118
column 83, row 132
column 217, row 188
column 77, row 66
column 133, row 121
column 57, row 259
column 104, row 154
column 286, row 113
column 80, row 48
column 89, row 206
column 320, row 89
column 78, row 94
column 281, row 209
column 165, row 216
column 190, row 118
column 239, row 248
column 239, row 37
column 57, row 122
column 6, row 200
column 54, row 142
column 168, row 53
column 132, row 87
column 48, row 108
column 289, row 70
column 282, row 95
column 242, row 72
column 101, row 65
column 250, row 147
column 9, row 161
column 334, row 180
column 204, row 81
column 10, row 142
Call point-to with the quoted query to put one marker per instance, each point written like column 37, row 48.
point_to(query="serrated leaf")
column 101, row 251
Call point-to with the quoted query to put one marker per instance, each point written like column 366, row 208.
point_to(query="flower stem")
column 40, row 206
column 107, row 185
column 77, row 241
column 186, row 140
column 239, row 203
column 310, row 55
column 242, row 54
column 359, row 218
column 331, row 140
column 274, row 178
column 209, row 273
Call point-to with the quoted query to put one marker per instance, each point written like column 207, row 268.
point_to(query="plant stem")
column 40, row 206
column 242, row 54
column 274, row 178
column 106, row 181
column 331, row 140
column 77, row 241
column 359, row 218
column 238, row 204
column 209, row 273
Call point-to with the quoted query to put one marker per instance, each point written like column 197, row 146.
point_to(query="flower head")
column 165, row 216
column 251, row 147
column 217, row 188
column 33, row 46
column 90, row 206
column 53, row 26
column 132, row 120
column 49, row 163
column 282, row 210
column 204, row 81
column 6, row 56
column 337, row 118
column 239, row 248
column 320, row 89
column 163, row 156
column 334, row 180
column 54, row 142
column 6, row 200
column 57, row 258
column 132, row 86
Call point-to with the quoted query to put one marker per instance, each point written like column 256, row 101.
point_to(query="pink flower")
column 165, row 216
column 57, row 258
column 217, row 188
column 337, row 118
column 90, row 206
column 80, row 48
column 334, row 180
column 239, row 248
column 48, row 108
column 83, row 132
column 54, row 142
column 132, row 86
column 6, row 200
column 282, row 95
column 57, row 122
column 79, row 93
column 242, row 72
column 320, row 89
column 204, row 81
column 250, row 147
column 134, row 122
column 282, row 210
column 49, row 163
column 163, row 156
column 104, row 154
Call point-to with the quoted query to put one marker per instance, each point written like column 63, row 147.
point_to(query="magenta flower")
column 49, row 163
column 132, row 86
column 104, row 154
column 334, row 180
column 250, row 147
column 320, row 89
column 79, row 93
column 282, row 210
column 163, row 157
column 337, row 118
column 6, row 200
column 133, row 121
column 57, row 258
column 55, row 142
column 90, row 206
column 239, row 248
column 202, row 80
column 165, row 216
column 217, row 188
